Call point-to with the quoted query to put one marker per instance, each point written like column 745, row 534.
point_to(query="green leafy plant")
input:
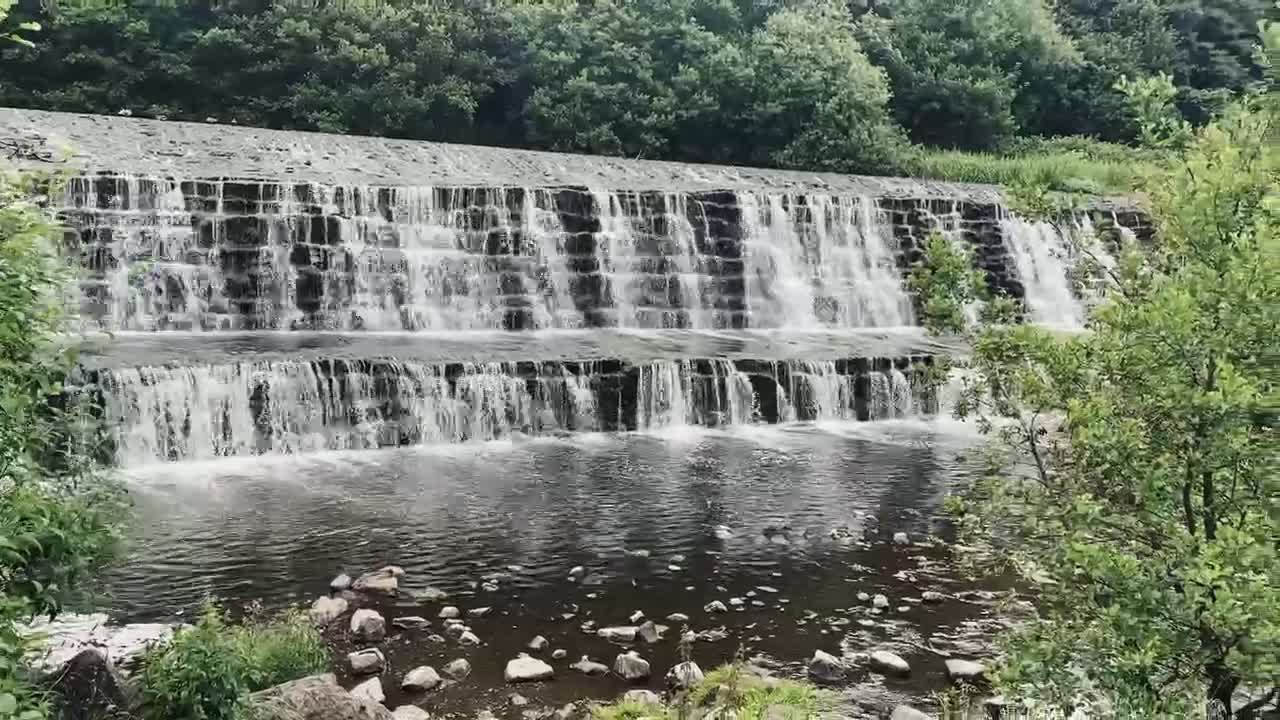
column 208, row 670
column 1143, row 499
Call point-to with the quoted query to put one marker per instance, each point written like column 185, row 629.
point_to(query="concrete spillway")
column 200, row 232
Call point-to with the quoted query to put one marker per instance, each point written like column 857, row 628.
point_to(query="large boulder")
column 527, row 669
column 318, row 697
column 368, row 625
column 90, row 688
column 631, row 667
column 385, row 580
column 60, row 640
column 685, row 675
column 826, row 667
column 420, row 679
column 887, row 663
column 327, row 609
column 366, row 662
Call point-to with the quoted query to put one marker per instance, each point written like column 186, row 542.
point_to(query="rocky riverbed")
column 516, row 579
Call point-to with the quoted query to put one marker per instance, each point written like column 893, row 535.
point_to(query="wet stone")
column 559, row 654
column 411, row 622
column 327, row 609
column 368, row 625
column 386, row 580
column 421, row 679
column 410, row 712
column 965, row 671
column 685, row 675
column 587, row 666
column 527, row 669
column 458, row 669
column 449, row 612
column 715, row 606
column 479, row 612
column 885, row 662
column 430, row 595
column 537, row 644
column 649, row 632
column 366, row 662
column 826, row 667
column 631, row 667
column 340, row 583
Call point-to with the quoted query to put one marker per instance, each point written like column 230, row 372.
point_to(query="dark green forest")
column 856, row 87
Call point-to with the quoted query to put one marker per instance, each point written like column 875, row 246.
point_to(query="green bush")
column 730, row 690
column 1065, row 170
column 208, row 670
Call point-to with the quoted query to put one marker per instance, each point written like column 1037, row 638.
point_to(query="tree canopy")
column 800, row 83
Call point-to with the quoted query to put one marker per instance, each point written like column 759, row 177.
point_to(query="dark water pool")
column 794, row 521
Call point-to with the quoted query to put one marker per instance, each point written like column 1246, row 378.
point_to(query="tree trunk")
column 1222, row 685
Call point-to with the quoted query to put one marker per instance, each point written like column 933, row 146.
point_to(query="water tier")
column 283, row 407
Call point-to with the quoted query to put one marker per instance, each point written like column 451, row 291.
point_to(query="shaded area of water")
column 719, row 514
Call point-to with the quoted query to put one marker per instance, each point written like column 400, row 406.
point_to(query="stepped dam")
column 191, row 234
column 320, row 354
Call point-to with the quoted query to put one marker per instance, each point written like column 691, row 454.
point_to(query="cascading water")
column 259, row 258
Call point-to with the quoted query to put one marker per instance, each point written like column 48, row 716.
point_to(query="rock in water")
column 527, row 669
column 366, row 662
column 368, row 625
column 906, row 712
column 385, row 580
column 327, row 609
column 931, row 596
column 901, row 539
column 468, row 638
column 678, row 617
column 479, row 612
column 685, row 675
column 410, row 712
column 885, row 662
column 965, row 671
column 880, row 602
column 458, row 669
column 637, row 616
column 643, row 697
column 449, row 612
column 587, row 666
column 826, row 667
column 559, row 654
column 715, row 606
column 649, row 632
column 411, row 622
column 631, row 667
column 618, row 634
column 370, row 689
column 89, row 687
column 340, row 583
column 318, row 697
column 420, row 679
column 537, row 644
column 430, row 595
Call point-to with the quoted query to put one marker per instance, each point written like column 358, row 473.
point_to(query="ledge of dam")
column 113, row 144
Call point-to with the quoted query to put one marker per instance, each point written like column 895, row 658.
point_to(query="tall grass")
column 729, row 691
column 1063, row 164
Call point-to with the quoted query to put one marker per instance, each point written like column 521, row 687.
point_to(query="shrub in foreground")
column 208, row 670
column 731, row 690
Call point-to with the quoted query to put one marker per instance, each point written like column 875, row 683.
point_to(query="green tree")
column 1146, row 500
column 960, row 70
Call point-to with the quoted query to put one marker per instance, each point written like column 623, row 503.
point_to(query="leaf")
column 8, row 704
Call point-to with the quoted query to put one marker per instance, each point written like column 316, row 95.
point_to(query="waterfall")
column 1043, row 261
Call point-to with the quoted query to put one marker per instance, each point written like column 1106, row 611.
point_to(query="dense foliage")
column 208, row 670
column 1145, row 496
column 803, row 83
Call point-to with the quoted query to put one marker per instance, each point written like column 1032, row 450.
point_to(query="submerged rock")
column 318, row 697
column 577, row 572
column 888, row 663
column 368, row 625
column 527, row 669
column 631, row 667
column 966, row 671
column 327, row 609
column 366, row 662
column 386, row 579
column 458, row 669
column 587, row 666
column 826, row 667
column 430, row 595
column 685, row 675
column 421, row 679
column 370, row 689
